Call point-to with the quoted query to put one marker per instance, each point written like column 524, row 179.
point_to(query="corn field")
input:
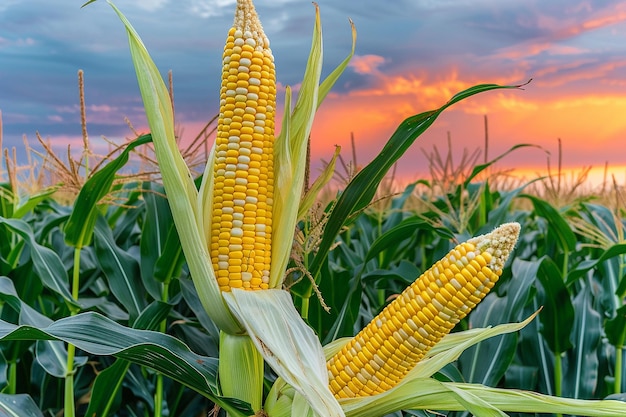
column 121, row 293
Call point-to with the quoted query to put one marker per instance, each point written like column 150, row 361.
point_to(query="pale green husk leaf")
column 205, row 196
column 311, row 196
column 300, row 407
column 241, row 369
column 177, row 180
column 330, row 80
column 430, row 394
column 290, row 150
column 287, row 344
column 279, row 400
column 448, row 349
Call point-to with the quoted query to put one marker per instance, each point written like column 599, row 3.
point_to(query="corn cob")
column 377, row 358
column 241, row 231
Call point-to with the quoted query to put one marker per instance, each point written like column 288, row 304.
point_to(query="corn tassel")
column 376, row 359
column 242, row 218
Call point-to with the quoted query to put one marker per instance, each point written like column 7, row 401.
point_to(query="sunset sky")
column 411, row 56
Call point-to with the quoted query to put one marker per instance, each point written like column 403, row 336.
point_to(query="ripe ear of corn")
column 377, row 358
column 241, row 230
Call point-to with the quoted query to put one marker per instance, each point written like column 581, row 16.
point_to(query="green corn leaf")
column 4, row 364
column 79, row 228
column 105, row 392
column 603, row 219
column 345, row 305
column 8, row 200
column 486, row 362
column 6, row 249
column 581, row 364
column 18, row 405
column 609, row 291
column 518, row 290
column 557, row 317
column 583, row 267
column 481, row 167
column 616, row 327
column 363, row 187
column 556, row 223
column 98, row 335
column 157, row 225
column 52, row 356
column 405, row 229
column 27, row 315
column 501, row 213
column 170, row 262
column 120, row 268
column 32, row 201
column 521, row 377
column 534, row 350
column 405, row 272
column 123, row 220
column 46, row 263
column 139, row 385
column 153, row 315
column 211, row 330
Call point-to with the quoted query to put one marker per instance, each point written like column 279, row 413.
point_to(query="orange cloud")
column 602, row 21
column 422, row 90
column 366, row 64
column 590, row 124
column 373, row 113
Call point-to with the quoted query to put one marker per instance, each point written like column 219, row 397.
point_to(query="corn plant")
column 235, row 230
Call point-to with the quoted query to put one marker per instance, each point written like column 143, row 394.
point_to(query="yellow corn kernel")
column 243, row 168
column 399, row 337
